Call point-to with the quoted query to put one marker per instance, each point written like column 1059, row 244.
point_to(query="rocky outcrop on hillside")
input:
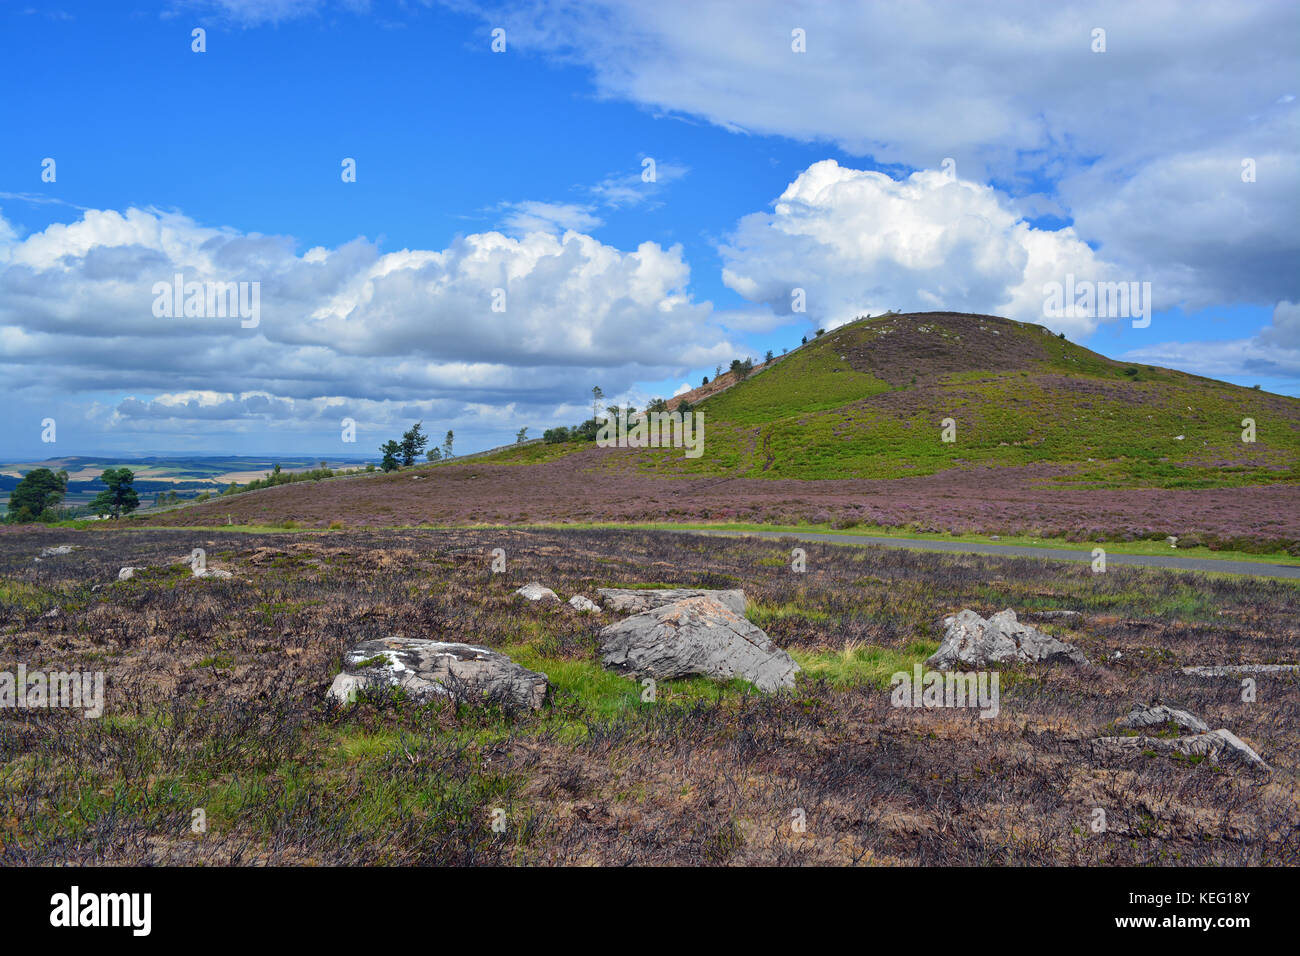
column 1220, row 746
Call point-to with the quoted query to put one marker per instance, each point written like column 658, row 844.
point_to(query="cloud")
column 619, row 190
column 860, row 242
column 912, row 83
column 1273, row 353
column 1285, row 330
column 1140, row 144
column 1201, row 226
column 531, row 216
column 349, row 329
column 252, row 13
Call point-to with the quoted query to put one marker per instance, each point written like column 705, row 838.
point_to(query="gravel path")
column 1257, row 568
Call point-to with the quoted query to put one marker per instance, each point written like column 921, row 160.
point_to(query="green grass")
column 863, row 666
column 811, row 380
column 26, row 597
column 605, row 694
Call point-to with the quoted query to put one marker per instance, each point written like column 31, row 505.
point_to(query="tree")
column 119, row 497
column 447, row 444
column 553, row 436
column 704, row 381
column 741, row 369
column 769, row 356
column 821, row 331
column 521, row 436
column 805, row 340
column 596, row 396
column 412, row 444
column 391, row 451
column 40, row 489
column 433, row 454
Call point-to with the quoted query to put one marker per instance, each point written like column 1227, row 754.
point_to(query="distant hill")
column 867, row 401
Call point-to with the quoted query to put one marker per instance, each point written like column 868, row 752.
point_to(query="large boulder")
column 426, row 669
column 696, row 636
column 640, row 600
column 971, row 640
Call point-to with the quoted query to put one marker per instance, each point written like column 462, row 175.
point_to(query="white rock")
column 580, row 603
column 211, row 573
column 535, row 592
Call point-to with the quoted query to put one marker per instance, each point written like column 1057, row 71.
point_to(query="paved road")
column 1261, row 569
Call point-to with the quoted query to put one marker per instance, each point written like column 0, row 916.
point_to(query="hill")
column 860, row 409
column 868, row 401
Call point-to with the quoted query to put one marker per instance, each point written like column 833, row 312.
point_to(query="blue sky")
column 775, row 169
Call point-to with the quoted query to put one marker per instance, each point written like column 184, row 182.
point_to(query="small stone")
column 212, row 573
column 535, row 592
column 1232, row 670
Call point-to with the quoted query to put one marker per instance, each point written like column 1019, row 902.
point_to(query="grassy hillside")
column 867, row 401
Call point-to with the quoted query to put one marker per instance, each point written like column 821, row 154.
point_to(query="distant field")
column 586, row 485
column 186, row 477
